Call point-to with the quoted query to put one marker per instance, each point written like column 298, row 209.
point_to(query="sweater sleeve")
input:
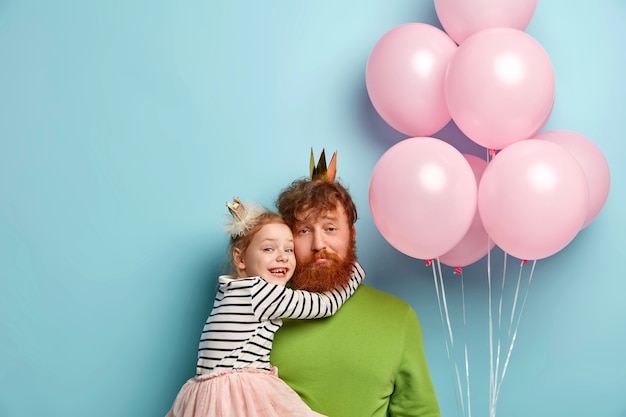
column 414, row 394
column 270, row 301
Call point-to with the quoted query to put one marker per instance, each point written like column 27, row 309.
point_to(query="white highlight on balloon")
column 542, row 177
column 510, row 68
column 423, row 63
column 433, row 177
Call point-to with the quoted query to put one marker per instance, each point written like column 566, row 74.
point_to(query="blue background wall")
column 125, row 126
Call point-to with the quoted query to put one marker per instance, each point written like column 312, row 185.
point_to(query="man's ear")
column 238, row 259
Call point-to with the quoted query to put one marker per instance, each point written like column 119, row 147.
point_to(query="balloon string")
column 519, row 317
column 514, row 308
column 441, row 298
column 492, row 411
column 499, row 339
column 439, row 301
column 445, row 304
column 467, row 376
column 453, row 350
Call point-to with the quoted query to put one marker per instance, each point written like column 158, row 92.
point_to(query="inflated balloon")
column 499, row 87
column 476, row 243
column 533, row 199
column 422, row 196
column 404, row 78
column 593, row 162
column 462, row 18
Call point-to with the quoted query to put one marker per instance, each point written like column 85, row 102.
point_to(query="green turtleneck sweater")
column 366, row 360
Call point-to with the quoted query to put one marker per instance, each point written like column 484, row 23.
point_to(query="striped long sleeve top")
column 246, row 314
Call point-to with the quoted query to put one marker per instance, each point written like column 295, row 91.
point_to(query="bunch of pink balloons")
column 497, row 84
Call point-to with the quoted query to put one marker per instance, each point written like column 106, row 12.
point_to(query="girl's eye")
column 289, row 250
column 268, row 249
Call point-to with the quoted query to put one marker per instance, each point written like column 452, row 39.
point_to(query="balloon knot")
column 524, row 262
column 429, row 262
column 492, row 152
column 458, row 270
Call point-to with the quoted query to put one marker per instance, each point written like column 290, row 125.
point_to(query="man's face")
column 325, row 250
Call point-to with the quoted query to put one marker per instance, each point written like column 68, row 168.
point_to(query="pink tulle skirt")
column 239, row 393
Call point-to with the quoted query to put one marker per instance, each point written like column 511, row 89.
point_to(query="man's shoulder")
column 376, row 299
column 371, row 292
column 375, row 295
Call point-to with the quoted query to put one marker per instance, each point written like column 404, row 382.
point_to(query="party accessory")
column 243, row 217
column 321, row 172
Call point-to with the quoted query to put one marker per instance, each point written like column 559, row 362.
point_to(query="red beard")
column 333, row 274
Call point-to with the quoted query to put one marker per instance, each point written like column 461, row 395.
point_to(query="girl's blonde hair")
column 243, row 224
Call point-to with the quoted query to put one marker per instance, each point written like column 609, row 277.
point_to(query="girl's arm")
column 271, row 301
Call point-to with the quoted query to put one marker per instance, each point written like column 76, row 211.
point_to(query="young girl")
column 234, row 377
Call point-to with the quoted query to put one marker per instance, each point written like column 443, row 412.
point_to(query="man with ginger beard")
column 368, row 359
column 324, row 271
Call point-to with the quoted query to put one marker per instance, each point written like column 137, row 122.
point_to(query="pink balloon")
column 422, row 196
column 499, row 87
column 404, row 78
column 533, row 199
column 476, row 243
column 462, row 18
column 593, row 162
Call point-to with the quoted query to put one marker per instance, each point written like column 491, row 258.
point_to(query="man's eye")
column 303, row 231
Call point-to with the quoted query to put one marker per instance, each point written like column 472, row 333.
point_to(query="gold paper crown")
column 321, row 171
column 243, row 217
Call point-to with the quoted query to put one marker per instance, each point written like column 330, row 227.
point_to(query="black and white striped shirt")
column 246, row 314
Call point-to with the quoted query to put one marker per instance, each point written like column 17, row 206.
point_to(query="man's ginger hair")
column 320, row 195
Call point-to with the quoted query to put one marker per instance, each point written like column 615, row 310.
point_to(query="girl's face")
column 270, row 255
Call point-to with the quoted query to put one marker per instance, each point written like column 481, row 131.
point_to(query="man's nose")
column 319, row 243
